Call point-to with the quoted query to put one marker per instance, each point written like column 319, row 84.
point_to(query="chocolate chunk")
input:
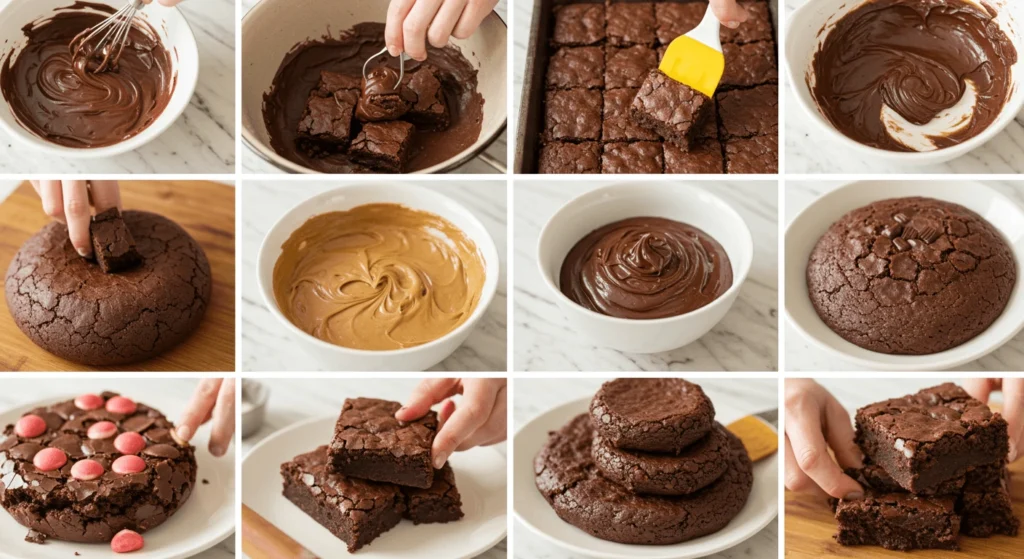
column 113, row 244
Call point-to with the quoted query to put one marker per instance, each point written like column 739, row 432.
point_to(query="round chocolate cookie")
column 652, row 414
column 665, row 474
column 910, row 276
column 568, row 479
column 85, row 469
column 68, row 306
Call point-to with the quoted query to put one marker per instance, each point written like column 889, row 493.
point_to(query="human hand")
column 411, row 23
column 213, row 399
column 168, row 3
column 69, row 202
column 478, row 420
column 729, row 13
column 815, row 421
column 1013, row 405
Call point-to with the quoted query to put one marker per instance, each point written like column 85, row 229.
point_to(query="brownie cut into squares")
column 678, row 18
column 355, row 510
column 567, row 158
column 672, row 109
column 576, row 67
column 924, row 439
column 333, row 82
column 573, row 114
column 758, row 26
column 749, row 64
column 898, row 521
column 618, row 126
column 752, row 156
column 440, row 503
column 383, row 146
column 633, row 158
column 703, row 157
column 112, row 243
column 430, row 108
column 578, row 24
column 326, row 123
column 628, row 67
column 749, row 112
column 369, row 443
column 631, row 23
column 986, row 507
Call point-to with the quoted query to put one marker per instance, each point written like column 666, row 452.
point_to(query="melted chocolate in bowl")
column 646, row 267
column 59, row 100
column 916, row 58
column 299, row 74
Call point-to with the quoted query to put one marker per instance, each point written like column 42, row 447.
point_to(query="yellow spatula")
column 696, row 59
column 760, row 440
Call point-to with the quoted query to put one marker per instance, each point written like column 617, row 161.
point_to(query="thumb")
column 729, row 13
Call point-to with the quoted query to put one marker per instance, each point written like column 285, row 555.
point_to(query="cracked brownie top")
column 348, row 494
column 910, row 276
column 652, row 415
column 370, row 424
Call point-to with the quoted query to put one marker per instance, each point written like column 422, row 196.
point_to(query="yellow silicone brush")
column 696, row 59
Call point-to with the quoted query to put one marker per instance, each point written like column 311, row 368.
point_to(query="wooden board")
column 206, row 210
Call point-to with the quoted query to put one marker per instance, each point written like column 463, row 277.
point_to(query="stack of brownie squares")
column 602, row 53
column 375, row 472
column 935, row 468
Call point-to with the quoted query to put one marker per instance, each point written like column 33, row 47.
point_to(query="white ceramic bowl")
column 805, row 230
column 679, row 201
column 416, row 358
column 803, row 40
column 174, row 33
column 273, row 27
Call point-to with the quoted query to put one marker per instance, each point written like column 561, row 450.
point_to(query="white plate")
column 479, row 475
column 534, row 511
column 202, row 522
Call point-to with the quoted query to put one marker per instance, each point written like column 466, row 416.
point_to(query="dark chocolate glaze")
column 646, row 267
column 300, row 73
column 382, row 98
column 914, row 57
column 57, row 99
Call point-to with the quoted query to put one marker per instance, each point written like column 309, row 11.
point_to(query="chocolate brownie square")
column 749, row 112
column 672, row 109
column 576, row 67
column 924, row 439
column 758, row 26
column 354, row 510
column 578, row 24
column 757, row 155
column 572, row 114
column 749, row 64
column 566, row 158
column 333, row 82
column 677, row 18
column 985, row 506
column 112, row 243
column 704, row 157
column 440, row 503
column 618, row 126
column 898, row 521
column 326, row 123
column 430, row 108
column 631, row 23
column 633, row 158
column 383, row 146
column 628, row 67
column 369, row 443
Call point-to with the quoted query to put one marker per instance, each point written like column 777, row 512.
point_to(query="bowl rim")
column 746, row 238
column 486, row 297
column 33, row 141
column 283, row 164
column 902, row 363
column 911, row 157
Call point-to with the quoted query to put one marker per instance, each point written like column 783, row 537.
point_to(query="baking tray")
column 531, row 109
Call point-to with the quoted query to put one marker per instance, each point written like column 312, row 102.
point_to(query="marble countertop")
column 202, row 140
column 801, row 355
column 807, row 151
column 535, row 396
column 19, row 392
column 498, row 150
column 746, row 339
column 265, row 342
column 293, row 400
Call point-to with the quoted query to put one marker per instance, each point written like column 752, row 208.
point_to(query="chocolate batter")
column 646, row 267
column 300, row 73
column 378, row 277
column 914, row 57
column 57, row 99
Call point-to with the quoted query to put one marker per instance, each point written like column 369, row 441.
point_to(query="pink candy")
column 128, row 465
column 101, row 430
column 30, row 426
column 129, row 443
column 126, row 541
column 50, row 459
column 86, row 470
column 121, row 405
column 88, row 402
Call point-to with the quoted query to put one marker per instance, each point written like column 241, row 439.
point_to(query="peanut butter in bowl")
column 378, row 277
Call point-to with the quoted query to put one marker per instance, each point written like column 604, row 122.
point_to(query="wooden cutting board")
column 205, row 209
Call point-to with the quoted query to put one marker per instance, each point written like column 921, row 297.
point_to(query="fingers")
column 223, row 428
column 839, row 434
column 494, row 429
column 811, row 453
column 414, row 28
column 398, row 10
column 729, row 13
column 53, row 199
column 199, row 408
column 980, row 388
column 105, row 195
column 1013, row 411
column 444, row 22
column 796, row 479
column 168, row 3
column 447, row 409
column 472, row 16
column 426, row 394
column 78, row 215
column 472, row 413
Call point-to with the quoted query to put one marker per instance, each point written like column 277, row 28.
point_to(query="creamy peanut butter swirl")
column 378, row 277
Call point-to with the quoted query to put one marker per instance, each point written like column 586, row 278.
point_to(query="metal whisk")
column 401, row 65
column 112, row 33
